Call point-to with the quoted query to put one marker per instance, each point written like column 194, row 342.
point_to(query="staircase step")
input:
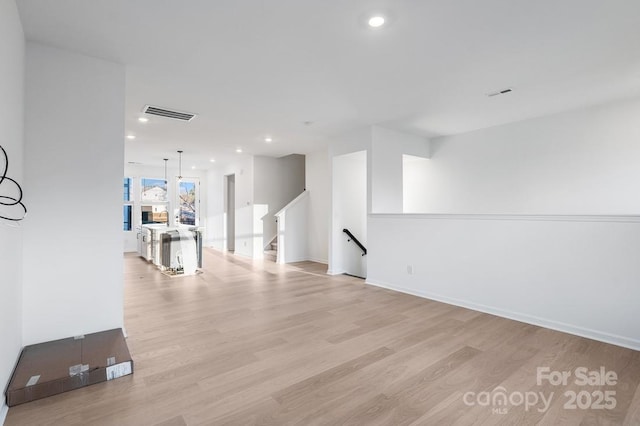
column 271, row 255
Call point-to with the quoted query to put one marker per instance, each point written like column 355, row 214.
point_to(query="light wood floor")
column 258, row 343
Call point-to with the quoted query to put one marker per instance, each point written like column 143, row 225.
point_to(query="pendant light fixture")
column 180, row 168
column 165, row 170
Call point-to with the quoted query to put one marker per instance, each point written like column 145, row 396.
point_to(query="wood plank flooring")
column 251, row 342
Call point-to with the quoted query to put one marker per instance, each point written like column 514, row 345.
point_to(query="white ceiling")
column 252, row 68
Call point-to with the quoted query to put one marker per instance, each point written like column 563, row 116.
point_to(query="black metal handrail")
column 355, row 240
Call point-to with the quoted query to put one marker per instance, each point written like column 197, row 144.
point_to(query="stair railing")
column 355, row 240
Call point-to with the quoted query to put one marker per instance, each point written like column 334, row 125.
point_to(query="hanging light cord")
column 165, row 169
column 6, row 200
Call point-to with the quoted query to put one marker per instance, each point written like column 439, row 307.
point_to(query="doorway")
column 349, row 213
column 230, row 212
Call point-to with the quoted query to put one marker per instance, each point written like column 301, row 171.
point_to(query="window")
column 154, row 200
column 153, row 190
column 188, row 202
column 155, row 213
column 127, row 209
column 127, row 189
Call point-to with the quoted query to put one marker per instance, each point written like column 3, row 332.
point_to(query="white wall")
column 349, row 210
column 215, row 231
column 244, row 207
column 293, row 233
column 415, row 172
column 12, row 50
column 353, row 141
column 580, row 162
column 318, row 182
column 263, row 186
column 388, row 146
column 384, row 150
column 578, row 275
column 137, row 171
column 74, row 143
column 544, row 265
column 277, row 181
column 356, row 141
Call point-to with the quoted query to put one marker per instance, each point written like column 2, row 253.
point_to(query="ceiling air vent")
column 163, row 112
column 500, row 92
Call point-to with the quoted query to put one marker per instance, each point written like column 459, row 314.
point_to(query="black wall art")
column 11, row 206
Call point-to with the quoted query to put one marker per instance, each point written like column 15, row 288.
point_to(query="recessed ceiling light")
column 193, row 167
column 143, row 119
column 239, row 150
column 268, row 139
column 131, row 137
column 376, row 21
column 213, row 160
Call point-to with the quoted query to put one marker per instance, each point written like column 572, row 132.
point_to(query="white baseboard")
column 613, row 339
column 243, row 255
column 337, row 272
column 4, row 410
column 212, row 244
column 317, row 260
column 294, row 260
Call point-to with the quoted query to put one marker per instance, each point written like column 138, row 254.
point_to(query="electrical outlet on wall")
column 410, row 269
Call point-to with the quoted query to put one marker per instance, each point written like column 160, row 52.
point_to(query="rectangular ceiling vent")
column 163, row 112
column 500, row 92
